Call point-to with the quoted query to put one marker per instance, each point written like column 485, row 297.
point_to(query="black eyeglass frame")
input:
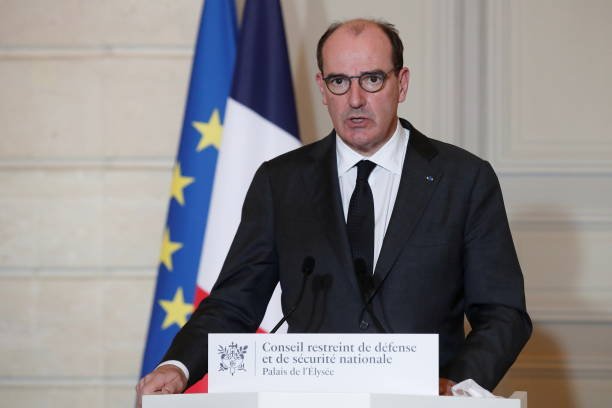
column 383, row 75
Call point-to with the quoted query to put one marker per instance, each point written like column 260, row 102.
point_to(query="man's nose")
column 356, row 95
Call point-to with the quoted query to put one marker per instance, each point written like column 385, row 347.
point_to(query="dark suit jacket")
column 447, row 252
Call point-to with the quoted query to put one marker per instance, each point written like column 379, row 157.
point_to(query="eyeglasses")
column 369, row 82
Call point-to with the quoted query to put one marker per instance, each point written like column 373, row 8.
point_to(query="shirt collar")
column 389, row 156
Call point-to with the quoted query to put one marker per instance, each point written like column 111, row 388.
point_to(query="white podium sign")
column 365, row 363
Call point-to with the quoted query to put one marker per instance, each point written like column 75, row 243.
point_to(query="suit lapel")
column 321, row 178
column 420, row 176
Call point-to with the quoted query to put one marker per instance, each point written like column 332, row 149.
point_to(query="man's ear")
column 403, row 80
column 321, row 83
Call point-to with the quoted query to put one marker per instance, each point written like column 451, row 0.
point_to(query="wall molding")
column 587, row 316
column 516, row 168
column 87, row 164
column 600, row 220
column 102, row 51
column 445, row 64
column 85, row 272
column 69, row 381
column 546, row 366
column 500, row 95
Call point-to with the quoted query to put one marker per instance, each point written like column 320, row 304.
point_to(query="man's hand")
column 445, row 386
column 167, row 379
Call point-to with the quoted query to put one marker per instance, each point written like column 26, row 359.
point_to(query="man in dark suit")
column 408, row 234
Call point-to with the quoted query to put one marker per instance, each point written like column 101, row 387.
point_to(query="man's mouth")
column 357, row 120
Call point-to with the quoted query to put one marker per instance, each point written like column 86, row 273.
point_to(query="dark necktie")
column 360, row 219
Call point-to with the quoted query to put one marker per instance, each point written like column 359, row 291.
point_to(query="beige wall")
column 91, row 101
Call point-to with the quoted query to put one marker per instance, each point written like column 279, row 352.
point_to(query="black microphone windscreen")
column 308, row 265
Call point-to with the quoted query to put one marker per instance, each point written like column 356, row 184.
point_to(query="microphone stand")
column 307, row 268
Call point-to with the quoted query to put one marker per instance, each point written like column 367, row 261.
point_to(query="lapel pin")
column 429, row 178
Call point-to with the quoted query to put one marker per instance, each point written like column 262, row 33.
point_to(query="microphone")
column 366, row 287
column 321, row 285
column 307, row 268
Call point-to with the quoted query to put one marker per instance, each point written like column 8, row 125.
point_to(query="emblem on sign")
column 232, row 358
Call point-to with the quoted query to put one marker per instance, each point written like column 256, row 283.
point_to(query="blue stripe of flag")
column 262, row 80
column 209, row 88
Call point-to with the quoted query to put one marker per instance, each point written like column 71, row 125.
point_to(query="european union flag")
column 192, row 178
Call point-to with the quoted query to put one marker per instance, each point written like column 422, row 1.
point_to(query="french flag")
column 260, row 124
column 232, row 124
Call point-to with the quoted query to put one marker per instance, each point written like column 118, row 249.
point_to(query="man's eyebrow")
column 372, row 71
column 334, row 74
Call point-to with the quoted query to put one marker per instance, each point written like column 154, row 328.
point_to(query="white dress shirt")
column 384, row 179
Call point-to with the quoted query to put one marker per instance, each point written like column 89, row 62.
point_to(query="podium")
column 387, row 364
column 327, row 400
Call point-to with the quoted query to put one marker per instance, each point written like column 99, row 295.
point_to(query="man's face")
column 364, row 120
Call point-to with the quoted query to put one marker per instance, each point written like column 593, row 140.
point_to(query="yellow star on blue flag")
column 177, row 311
column 210, row 132
column 179, row 183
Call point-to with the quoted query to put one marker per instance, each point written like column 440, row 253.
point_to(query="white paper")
column 470, row 388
